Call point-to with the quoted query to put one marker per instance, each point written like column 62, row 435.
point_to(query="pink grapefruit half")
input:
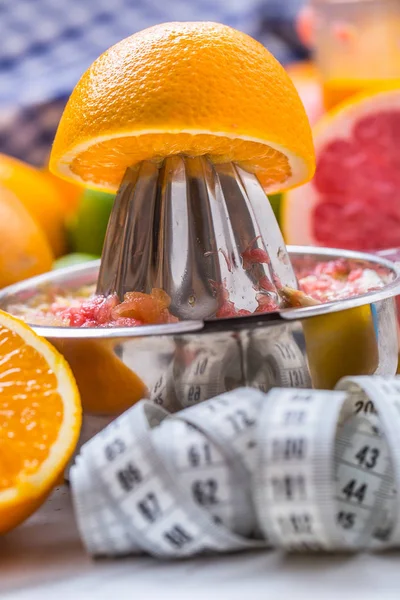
column 354, row 199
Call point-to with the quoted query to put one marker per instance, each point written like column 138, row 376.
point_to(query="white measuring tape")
column 298, row 469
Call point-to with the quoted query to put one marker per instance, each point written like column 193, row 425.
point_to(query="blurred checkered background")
column 46, row 45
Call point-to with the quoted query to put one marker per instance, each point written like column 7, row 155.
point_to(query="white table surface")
column 44, row 559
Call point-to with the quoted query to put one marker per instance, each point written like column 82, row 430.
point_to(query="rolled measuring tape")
column 211, row 371
column 302, row 470
column 275, row 362
column 91, row 426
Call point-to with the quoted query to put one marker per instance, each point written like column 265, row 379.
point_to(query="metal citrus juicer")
column 206, row 234
column 191, row 228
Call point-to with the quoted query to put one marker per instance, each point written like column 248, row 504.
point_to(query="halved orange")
column 184, row 88
column 40, row 419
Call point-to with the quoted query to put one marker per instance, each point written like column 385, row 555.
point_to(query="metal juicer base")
column 180, row 364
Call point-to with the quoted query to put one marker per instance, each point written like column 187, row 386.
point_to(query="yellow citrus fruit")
column 184, row 88
column 340, row 344
column 24, row 248
column 40, row 418
column 352, row 202
column 39, row 196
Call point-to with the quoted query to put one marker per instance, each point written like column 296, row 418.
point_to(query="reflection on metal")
column 188, row 226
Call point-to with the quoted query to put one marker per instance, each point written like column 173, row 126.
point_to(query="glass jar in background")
column 357, row 45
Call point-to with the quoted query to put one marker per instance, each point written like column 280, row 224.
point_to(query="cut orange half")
column 184, row 88
column 40, row 419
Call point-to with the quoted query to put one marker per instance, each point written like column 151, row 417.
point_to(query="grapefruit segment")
column 353, row 201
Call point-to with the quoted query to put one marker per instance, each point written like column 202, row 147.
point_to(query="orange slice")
column 184, row 88
column 40, row 418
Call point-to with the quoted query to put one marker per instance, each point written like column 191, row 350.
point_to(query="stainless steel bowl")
column 180, row 364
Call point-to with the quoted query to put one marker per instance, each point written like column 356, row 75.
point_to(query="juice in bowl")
column 356, row 45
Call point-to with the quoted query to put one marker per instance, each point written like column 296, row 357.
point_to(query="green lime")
column 75, row 258
column 87, row 228
column 275, row 200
